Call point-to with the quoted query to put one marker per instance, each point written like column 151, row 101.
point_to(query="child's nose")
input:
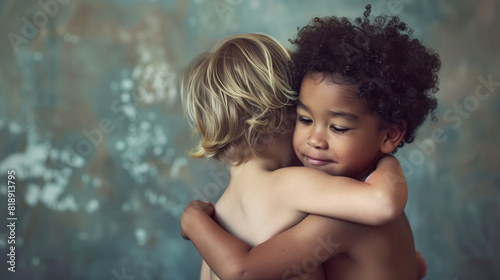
column 316, row 140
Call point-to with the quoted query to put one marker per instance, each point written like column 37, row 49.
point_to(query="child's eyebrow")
column 302, row 105
column 345, row 115
column 335, row 114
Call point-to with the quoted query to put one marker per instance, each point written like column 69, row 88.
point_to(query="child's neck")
column 277, row 155
column 255, row 165
column 364, row 175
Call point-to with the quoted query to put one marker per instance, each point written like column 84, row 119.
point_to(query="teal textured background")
column 91, row 121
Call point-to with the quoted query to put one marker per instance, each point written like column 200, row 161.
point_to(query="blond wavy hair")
column 238, row 97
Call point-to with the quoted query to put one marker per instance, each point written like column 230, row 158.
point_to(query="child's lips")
column 317, row 161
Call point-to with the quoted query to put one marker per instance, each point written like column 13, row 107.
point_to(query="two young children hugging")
column 356, row 105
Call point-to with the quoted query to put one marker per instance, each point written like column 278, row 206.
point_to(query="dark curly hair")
column 393, row 72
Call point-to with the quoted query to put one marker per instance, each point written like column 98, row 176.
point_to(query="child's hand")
column 421, row 266
column 194, row 209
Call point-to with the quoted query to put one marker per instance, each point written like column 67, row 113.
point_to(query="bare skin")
column 351, row 250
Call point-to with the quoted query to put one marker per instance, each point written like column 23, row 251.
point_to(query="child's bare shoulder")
column 388, row 160
column 291, row 170
column 298, row 173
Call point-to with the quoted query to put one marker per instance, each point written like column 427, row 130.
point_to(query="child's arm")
column 376, row 201
column 293, row 252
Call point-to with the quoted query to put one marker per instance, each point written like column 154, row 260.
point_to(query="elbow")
column 390, row 214
column 243, row 273
column 235, row 272
column 384, row 217
column 396, row 206
column 392, row 207
column 236, row 276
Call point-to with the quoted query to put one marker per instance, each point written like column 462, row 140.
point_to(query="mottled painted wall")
column 91, row 122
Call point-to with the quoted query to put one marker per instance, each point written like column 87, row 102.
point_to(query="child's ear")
column 392, row 137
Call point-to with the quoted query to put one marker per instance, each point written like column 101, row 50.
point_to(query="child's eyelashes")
column 339, row 130
column 336, row 129
column 304, row 120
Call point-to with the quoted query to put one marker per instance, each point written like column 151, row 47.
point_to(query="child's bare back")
column 244, row 208
column 249, row 208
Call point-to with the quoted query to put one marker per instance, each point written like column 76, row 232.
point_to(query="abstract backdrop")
column 93, row 136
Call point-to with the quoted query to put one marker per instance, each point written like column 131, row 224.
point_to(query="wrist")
column 189, row 218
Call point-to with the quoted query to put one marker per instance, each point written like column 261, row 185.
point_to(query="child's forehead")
column 325, row 82
column 333, row 93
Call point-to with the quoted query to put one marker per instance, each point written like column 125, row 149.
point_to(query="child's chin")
column 327, row 169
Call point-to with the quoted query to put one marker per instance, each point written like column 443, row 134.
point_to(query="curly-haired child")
column 239, row 100
column 361, row 84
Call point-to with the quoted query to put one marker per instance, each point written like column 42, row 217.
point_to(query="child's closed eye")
column 304, row 120
column 339, row 130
